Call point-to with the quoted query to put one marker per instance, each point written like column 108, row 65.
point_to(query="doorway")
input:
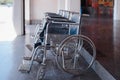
column 85, row 4
column 7, row 31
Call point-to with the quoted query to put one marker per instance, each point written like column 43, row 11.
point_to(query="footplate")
column 27, row 57
column 29, row 47
column 25, row 66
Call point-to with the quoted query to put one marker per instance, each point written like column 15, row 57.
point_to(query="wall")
column 39, row 7
column 75, row 5
column 72, row 5
column 61, row 4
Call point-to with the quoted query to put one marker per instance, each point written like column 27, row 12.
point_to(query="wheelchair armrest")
column 53, row 16
column 67, row 23
column 57, row 18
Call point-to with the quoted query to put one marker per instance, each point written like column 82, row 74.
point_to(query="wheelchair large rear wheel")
column 76, row 54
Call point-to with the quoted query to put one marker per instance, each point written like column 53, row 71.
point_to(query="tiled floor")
column 11, row 54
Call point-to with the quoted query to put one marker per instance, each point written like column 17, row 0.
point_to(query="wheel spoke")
column 75, row 55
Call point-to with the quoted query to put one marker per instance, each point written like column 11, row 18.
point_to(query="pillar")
column 27, row 11
column 18, row 16
column 116, row 10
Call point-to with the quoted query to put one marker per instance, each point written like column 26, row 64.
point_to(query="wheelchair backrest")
column 71, row 27
column 66, row 14
column 61, row 12
column 75, row 17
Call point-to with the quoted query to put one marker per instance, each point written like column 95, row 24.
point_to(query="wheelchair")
column 74, row 52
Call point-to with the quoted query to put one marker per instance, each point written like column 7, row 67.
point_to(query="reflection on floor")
column 105, row 34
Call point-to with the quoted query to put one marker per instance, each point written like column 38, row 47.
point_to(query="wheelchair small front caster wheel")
column 41, row 72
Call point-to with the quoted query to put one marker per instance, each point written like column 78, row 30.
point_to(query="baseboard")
column 97, row 67
column 35, row 21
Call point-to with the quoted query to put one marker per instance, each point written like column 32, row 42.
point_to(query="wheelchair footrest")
column 27, row 57
column 25, row 66
column 41, row 72
column 29, row 47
